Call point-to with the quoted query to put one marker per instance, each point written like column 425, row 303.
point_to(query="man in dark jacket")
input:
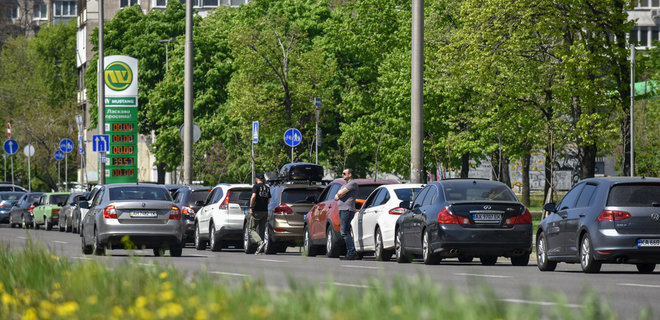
column 259, row 211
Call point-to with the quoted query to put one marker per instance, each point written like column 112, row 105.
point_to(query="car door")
column 207, row 211
column 90, row 218
column 320, row 217
column 358, row 221
column 370, row 217
column 420, row 218
column 573, row 221
column 38, row 211
column 558, row 227
column 408, row 219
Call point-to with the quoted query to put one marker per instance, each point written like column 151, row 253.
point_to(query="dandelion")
column 67, row 309
column 170, row 310
column 58, row 285
column 8, row 300
column 92, row 300
column 167, row 295
column 201, row 315
column 140, row 302
column 117, row 312
column 163, row 275
column 260, row 312
column 54, row 257
column 56, row 295
column 30, row 314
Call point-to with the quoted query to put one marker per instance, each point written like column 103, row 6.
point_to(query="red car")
column 321, row 232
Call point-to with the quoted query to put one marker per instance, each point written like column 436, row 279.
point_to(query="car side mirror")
column 83, row 204
column 405, row 204
column 550, row 207
column 199, row 203
column 415, row 206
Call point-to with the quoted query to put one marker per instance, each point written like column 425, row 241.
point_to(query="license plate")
column 487, row 217
column 648, row 243
column 143, row 214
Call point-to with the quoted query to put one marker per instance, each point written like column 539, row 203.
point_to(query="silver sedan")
column 132, row 216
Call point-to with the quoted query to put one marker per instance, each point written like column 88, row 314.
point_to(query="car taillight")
column 4, row 205
column 225, row 204
column 188, row 211
column 525, row 218
column 446, row 217
column 110, row 212
column 397, row 211
column 54, row 211
column 612, row 215
column 30, row 208
column 175, row 214
column 283, row 208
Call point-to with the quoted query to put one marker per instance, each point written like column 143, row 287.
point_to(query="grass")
column 39, row 285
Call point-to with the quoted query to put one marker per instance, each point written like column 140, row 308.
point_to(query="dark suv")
column 190, row 199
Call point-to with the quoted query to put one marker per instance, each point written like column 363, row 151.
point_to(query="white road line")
column 347, row 284
column 359, row 267
column 62, row 242
column 638, row 285
column 22, row 238
column 270, row 260
column 230, row 274
column 540, row 303
column 82, row 258
column 481, row 275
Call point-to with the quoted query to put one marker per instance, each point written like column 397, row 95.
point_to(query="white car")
column 220, row 221
column 373, row 225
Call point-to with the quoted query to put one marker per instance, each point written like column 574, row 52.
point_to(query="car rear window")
column 364, row 190
column 407, row 194
column 198, row 195
column 478, row 191
column 57, row 198
column 11, row 196
column 299, row 195
column 634, row 195
column 240, row 196
column 139, row 193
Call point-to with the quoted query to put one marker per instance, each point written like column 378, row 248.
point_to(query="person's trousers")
column 258, row 226
column 345, row 218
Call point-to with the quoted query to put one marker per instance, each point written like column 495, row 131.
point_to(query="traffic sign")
column 11, row 146
column 59, row 155
column 292, row 137
column 100, row 142
column 197, row 132
column 255, row 131
column 317, row 102
column 8, row 130
column 28, row 150
column 66, row 145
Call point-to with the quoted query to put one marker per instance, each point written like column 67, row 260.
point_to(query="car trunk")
column 298, row 200
column 239, row 201
column 486, row 214
column 143, row 212
column 636, row 208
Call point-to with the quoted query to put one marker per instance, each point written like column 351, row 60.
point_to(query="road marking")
column 22, row 238
column 82, row 258
column 359, row 267
column 197, row 255
column 540, row 303
column 347, row 284
column 62, row 242
column 481, row 275
column 230, row 274
column 638, row 285
column 270, row 260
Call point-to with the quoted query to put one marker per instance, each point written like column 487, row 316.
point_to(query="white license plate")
column 143, row 214
column 487, row 217
column 648, row 243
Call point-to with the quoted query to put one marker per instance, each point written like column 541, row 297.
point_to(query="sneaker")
column 260, row 248
column 350, row 257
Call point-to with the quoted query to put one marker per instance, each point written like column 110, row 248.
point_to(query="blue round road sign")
column 59, row 155
column 292, row 137
column 66, row 145
column 11, row 146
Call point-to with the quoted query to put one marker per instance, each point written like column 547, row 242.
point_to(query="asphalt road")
column 619, row 286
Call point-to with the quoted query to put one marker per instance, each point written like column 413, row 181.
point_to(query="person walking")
column 259, row 211
column 346, row 204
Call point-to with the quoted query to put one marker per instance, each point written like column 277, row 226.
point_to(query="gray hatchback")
column 603, row 220
column 123, row 216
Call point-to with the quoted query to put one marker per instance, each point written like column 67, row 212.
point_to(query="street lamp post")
column 167, row 49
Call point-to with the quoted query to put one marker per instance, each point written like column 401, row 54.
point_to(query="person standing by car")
column 345, row 198
column 259, row 211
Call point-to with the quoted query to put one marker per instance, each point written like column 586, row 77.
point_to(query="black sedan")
column 19, row 214
column 190, row 199
column 465, row 218
column 603, row 220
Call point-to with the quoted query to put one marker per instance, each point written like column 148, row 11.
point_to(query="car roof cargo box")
column 301, row 171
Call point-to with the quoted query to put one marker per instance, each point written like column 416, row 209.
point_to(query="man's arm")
column 343, row 191
column 253, row 198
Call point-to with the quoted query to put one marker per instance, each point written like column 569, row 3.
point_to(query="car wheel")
column 465, row 259
column 47, row 224
column 270, row 246
column 645, row 267
column 213, row 241
column 67, row 227
column 520, row 261
column 59, row 225
column 199, row 243
column 309, row 249
column 381, row 254
column 488, row 260
column 159, row 252
column 176, row 251
column 24, row 223
column 98, row 248
column 428, row 255
column 587, row 259
column 35, row 226
column 11, row 222
column 331, row 246
column 542, row 254
column 400, row 252
column 248, row 246
column 86, row 249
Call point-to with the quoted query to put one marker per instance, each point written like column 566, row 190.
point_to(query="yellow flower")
column 57, row 285
column 141, row 302
column 163, row 275
column 57, row 295
column 166, row 285
column 30, row 314
column 170, row 310
column 201, row 315
column 67, row 309
column 54, row 257
column 92, row 300
column 8, row 300
column 396, row 309
column 117, row 312
column 259, row 311
column 166, row 295
column 193, row 301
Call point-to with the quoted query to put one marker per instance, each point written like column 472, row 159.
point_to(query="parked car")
column 603, row 220
column 7, row 186
column 322, row 223
column 47, row 211
column 465, row 218
column 65, row 222
column 220, row 220
column 79, row 213
column 373, row 225
column 132, row 215
column 190, row 199
column 19, row 215
column 5, row 208
column 289, row 203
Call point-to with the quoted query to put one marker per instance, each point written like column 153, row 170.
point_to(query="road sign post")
column 255, row 139
column 317, row 109
column 59, row 155
column 292, row 138
column 66, row 145
column 11, row 147
column 29, row 152
column 4, row 156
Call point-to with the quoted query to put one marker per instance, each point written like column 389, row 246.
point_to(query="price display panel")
column 122, row 126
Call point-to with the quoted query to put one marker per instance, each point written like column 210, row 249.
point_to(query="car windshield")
column 34, row 198
column 139, row 193
column 240, row 196
column 57, row 198
column 11, row 195
column 407, row 194
column 478, row 191
column 364, row 190
column 198, row 195
column 634, row 195
column 299, row 195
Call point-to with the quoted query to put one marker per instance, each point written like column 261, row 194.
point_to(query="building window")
column 210, row 3
column 41, row 11
column 12, row 13
column 160, row 3
column 65, row 8
column 644, row 41
column 127, row 3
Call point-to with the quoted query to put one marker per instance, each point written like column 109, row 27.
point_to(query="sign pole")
column 12, row 170
column 4, row 156
column 29, row 176
column 58, row 175
column 66, row 176
column 253, row 169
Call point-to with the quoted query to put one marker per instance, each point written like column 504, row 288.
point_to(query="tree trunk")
column 465, row 165
column 587, row 157
column 526, row 161
column 500, row 165
column 548, row 189
column 160, row 169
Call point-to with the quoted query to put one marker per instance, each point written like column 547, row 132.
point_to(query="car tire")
column 35, row 226
column 270, row 247
column 86, row 249
column 176, row 251
column 98, row 248
column 430, row 258
column 520, row 261
column 380, row 253
column 11, row 222
column 542, row 254
column 199, row 243
column 399, row 251
column 331, row 244
column 465, row 259
column 68, row 228
column 24, row 223
column 47, row 225
column 309, row 249
column 645, row 267
column 587, row 260
column 59, row 225
column 248, row 246
column 488, row 260
column 214, row 242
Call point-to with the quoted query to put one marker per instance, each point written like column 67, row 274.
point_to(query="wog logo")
column 118, row 76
